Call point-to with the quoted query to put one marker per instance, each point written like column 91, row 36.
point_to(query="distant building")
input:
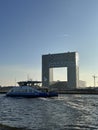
column 82, row 84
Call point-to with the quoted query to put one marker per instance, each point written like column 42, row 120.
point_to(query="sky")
column 32, row 28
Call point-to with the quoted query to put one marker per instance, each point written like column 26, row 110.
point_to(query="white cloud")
column 65, row 35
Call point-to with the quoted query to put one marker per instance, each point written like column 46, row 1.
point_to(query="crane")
column 94, row 79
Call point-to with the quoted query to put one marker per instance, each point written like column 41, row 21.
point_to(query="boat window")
column 30, row 90
column 19, row 90
column 12, row 90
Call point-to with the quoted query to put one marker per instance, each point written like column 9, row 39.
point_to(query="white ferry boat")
column 28, row 89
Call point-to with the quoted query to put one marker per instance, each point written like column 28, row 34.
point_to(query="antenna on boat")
column 15, row 81
column 28, row 77
column 94, row 79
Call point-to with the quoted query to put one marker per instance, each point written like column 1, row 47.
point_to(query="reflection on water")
column 70, row 112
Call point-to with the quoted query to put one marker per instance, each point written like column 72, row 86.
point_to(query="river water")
column 65, row 112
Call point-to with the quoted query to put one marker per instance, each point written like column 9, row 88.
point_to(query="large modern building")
column 69, row 60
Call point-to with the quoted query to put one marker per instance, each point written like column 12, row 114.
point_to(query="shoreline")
column 66, row 91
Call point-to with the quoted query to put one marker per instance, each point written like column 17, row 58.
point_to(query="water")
column 65, row 112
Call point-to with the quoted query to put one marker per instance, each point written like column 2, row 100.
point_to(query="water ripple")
column 70, row 112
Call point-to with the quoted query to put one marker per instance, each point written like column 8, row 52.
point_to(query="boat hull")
column 30, row 95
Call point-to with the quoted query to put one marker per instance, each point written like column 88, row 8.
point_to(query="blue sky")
column 31, row 28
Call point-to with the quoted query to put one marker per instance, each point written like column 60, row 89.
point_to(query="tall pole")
column 94, row 80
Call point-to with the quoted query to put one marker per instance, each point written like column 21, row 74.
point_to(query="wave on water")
column 66, row 127
column 6, row 127
column 65, row 112
column 79, row 127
